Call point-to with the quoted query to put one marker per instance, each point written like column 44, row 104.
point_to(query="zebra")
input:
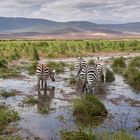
column 79, row 65
column 89, row 76
column 43, row 73
column 101, row 70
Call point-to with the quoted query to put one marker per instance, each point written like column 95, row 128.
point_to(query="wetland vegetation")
column 71, row 112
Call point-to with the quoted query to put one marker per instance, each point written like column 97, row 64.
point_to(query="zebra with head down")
column 43, row 73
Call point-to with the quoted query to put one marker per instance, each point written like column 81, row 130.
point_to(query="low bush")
column 3, row 63
column 118, row 65
column 132, row 73
column 88, row 108
column 76, row 135
column 109, row 76
column 7, row 116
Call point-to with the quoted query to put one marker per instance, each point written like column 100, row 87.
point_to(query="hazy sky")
column 100, row 11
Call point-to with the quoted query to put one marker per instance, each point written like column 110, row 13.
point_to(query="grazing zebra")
column 101, row 70
column 80, row 64
column 89, row 75
column 44, row 73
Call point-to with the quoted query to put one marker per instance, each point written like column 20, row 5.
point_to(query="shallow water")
column 118, row 97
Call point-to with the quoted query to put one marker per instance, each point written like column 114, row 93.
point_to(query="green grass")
column 9, row 73
column 75, row 135
column 32, row 49
column 7, row 115
column 92, row 135
column 72, row 80
column 3, row 63
column 118, row 65
column 31, row 100
column 132, row 73
column 6, row 94
column 44, row 110
column 10, row 138
column 109, row 76
column 58, row 66
column 71, row 67
column 120, row 135
column 88, row 110
column 34, row 53
column 32, row 68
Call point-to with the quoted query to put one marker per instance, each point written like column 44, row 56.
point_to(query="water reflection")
column 44, row 100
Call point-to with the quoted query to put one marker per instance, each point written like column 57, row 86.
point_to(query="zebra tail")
column 78, row 72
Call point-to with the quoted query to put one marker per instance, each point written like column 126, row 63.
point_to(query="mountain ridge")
column 20, row 25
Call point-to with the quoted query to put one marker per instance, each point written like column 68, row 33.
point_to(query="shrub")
column 132, row 73
column 109, row 76
column 3, row 63
column 118, row 65
column 76, row 135
column 88, row 108
column 7, row 116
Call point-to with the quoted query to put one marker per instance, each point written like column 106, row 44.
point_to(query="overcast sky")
column 99, row 11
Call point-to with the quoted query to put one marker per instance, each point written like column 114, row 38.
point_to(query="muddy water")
column 122, row 102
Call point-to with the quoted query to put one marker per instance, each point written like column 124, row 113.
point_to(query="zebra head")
column 52, row 73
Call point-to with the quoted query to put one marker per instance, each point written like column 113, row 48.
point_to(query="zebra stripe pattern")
column 101, row 70
column 43, row 73
column 80, row 64
column 89, row 75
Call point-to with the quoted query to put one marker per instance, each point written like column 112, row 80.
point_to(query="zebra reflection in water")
column 44, row 100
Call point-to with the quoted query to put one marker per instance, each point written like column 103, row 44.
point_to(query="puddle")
column 122, row 102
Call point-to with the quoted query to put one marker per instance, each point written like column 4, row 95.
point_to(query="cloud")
column 101, row 11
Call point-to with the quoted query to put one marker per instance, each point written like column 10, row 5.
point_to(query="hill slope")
column 9, row 27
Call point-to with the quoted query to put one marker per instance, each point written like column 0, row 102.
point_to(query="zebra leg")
column 45, row 86
column 84, row 87
column 42, row 82
column 38, row 86
column 90, row 89
column 104, row 78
